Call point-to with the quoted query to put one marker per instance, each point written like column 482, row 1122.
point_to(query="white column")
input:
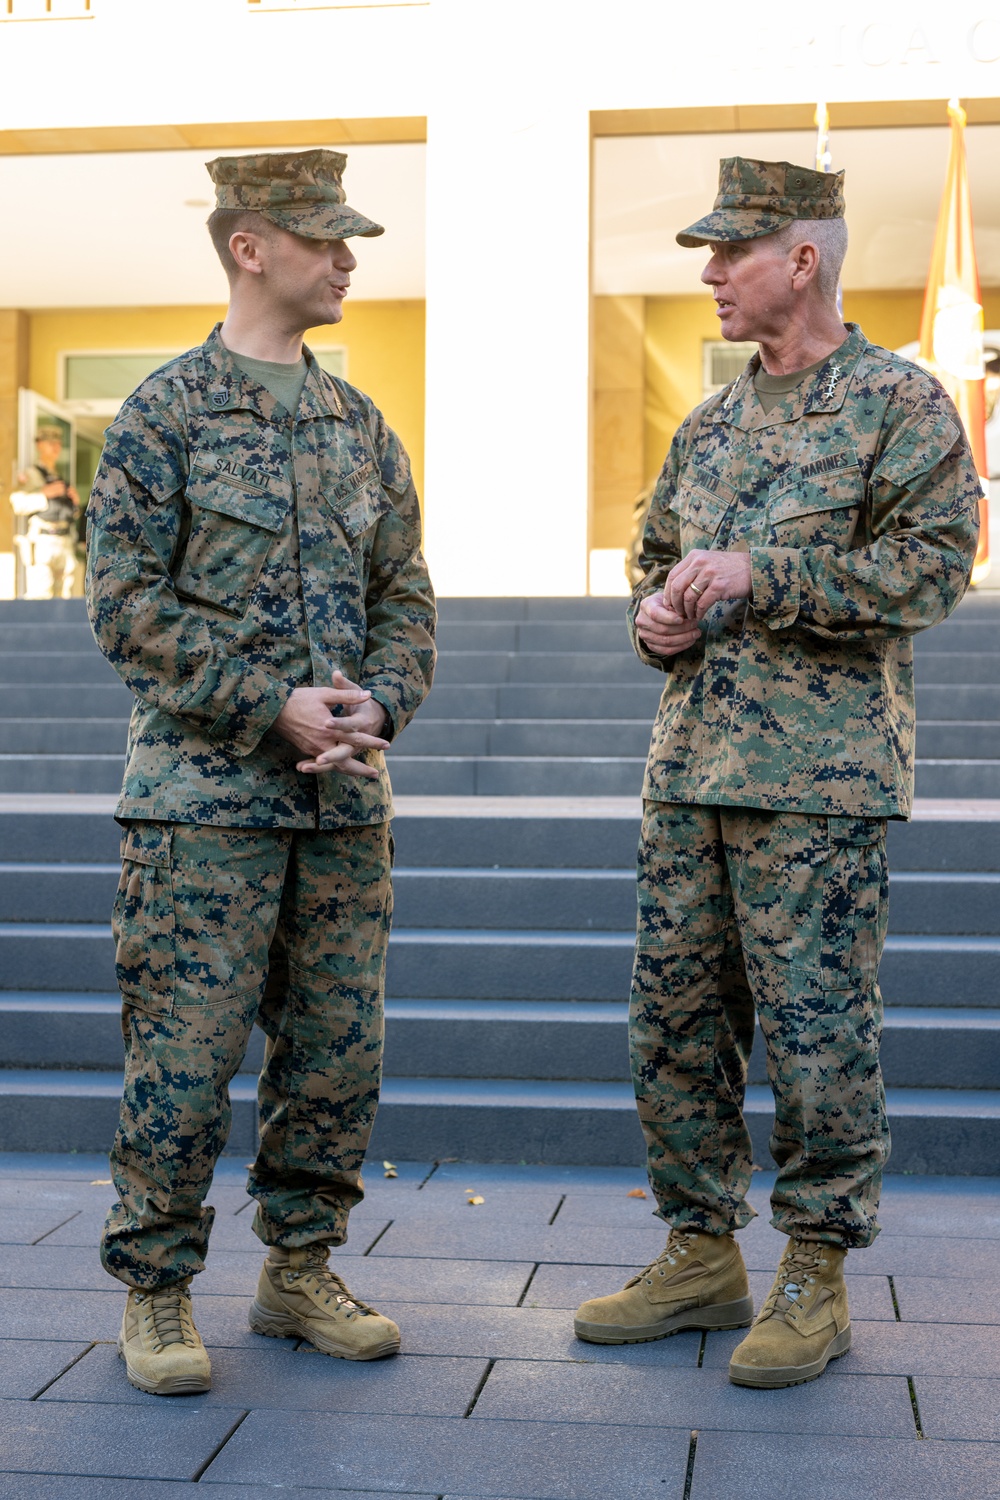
column 508, row 213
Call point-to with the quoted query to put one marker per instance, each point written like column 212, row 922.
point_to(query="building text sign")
column 46, row 10
column 911, row 41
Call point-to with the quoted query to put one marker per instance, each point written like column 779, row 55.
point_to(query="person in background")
column 52, row 508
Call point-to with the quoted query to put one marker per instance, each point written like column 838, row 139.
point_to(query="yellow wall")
column 384, row 342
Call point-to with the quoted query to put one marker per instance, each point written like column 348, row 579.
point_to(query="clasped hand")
column 667, row 622
column 330, row 742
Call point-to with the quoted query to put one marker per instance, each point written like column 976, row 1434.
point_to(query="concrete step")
column 558, row 833
column 958, row 740
column 109, row 699
column 41, row 667
column 552, row 1121
column 527, row 898
column 931, row 666
column 568, row 667
column 64, row 737
column 936, row 1047
column 516, row 776
column 957, row 700
column 516, row 964
column 84, row 774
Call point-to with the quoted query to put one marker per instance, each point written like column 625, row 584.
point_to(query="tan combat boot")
column 298, row 1296
column 160, row 1345
column 803, row 1324
column 699, row 1281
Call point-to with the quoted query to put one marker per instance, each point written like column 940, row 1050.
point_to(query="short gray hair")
column 830, row 238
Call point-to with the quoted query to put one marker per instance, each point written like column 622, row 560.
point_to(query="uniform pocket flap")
column 805, row 497
column 357, row 499
column 235, row 499
column 702, row 508
column 921, row 447
column 854, row 833
column 147, row 843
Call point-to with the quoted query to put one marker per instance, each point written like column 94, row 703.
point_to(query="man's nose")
column 343, row 256
column 712, row 274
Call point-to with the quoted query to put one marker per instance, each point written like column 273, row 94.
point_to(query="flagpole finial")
column 956, row 113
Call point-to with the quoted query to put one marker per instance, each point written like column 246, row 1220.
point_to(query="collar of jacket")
column 227, row 388
column 826, row 391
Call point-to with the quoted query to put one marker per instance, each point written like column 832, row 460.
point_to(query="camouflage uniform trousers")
column 782, row 913
column 218, row 928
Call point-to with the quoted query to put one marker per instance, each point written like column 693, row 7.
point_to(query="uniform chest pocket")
column 816, row 512
column 701, row 502
column 231, row 532
column 356, row 499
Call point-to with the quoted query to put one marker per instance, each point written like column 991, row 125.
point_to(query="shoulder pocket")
column 919, row 449
column 232, row 528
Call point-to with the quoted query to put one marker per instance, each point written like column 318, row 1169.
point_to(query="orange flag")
column 951, row 329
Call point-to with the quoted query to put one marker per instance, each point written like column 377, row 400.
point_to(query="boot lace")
column 673, row 1254
column 796, row 1278
column 328, row 1286
column 166, row 1315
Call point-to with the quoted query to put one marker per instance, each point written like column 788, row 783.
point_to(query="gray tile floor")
column 493, row 1396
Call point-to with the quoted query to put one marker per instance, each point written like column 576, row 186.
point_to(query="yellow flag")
column 951, row 329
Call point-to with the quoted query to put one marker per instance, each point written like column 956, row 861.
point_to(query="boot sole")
column 780, row 1376
column 284, row 1326
column 737, row 1314
column 175, row 1385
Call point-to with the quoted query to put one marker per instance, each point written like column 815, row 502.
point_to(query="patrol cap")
column 760, row 197
column 48, row 432
column 301, row 191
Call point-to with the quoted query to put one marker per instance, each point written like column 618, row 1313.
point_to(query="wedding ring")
column 695, row 589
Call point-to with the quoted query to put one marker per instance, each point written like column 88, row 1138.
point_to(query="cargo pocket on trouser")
column 143, row 920
column 855, row 903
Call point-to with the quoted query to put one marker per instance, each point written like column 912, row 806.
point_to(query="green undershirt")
column 284, row 382
column 773, row 388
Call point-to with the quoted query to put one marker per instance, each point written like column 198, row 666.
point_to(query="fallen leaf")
column 100, row 1182
column 390, row 1166
column 474, row 1202
column 755, row 1168
column 636, row 1193
column 390, row 1172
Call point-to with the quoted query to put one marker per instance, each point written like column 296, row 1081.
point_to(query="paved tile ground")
column 493, row 1397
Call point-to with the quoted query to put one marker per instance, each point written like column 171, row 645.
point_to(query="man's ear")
column 805, row 263
column 245, row 247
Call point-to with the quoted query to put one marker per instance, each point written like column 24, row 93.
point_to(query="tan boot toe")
column 161, row 1347
column 803, row 1324
column 298, row 1296
column 699, row 1281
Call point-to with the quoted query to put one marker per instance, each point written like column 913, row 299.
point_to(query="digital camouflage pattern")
column 235, row 552
column 858, row 501
column 301, row 191
column 782, row 913
column 760, row 197
column 216, row 928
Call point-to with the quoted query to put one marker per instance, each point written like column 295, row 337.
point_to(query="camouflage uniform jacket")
column 236, row 552
column 857, row 499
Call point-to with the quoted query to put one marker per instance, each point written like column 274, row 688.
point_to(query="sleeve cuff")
column 775, row 585
column 250, row 711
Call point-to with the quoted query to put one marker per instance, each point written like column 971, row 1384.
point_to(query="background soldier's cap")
column 48, row 433
column 760, row 197
column 301, row 191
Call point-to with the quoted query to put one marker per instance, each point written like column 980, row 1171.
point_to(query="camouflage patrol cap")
column 760, row 197
column 301, row 191
column 48, row 432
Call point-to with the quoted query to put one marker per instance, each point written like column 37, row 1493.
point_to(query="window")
column 722, row 362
